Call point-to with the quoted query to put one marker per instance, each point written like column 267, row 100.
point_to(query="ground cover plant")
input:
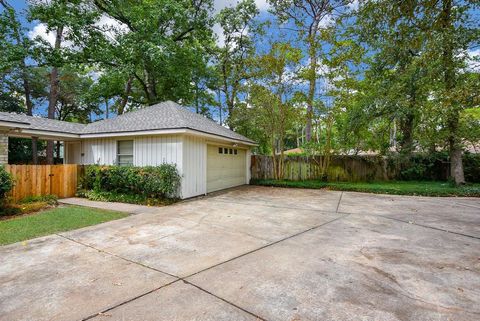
column 423, row 188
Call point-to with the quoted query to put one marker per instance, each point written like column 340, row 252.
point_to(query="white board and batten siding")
column 194, row 180
column 187, row 152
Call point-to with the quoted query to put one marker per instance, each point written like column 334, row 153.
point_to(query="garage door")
column 226, row 167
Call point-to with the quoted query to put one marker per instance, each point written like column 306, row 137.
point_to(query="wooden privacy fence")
column 38, row 180
column 341, row 168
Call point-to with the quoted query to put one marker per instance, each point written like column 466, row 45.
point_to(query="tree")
column 68, row 20
column 397, row 75
column 237, row 24
column 452, row 31
column 16, row 48
column 157, row 46
column 310, row 20
column 272, row 97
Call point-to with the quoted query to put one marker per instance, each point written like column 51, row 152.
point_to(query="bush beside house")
column 141, row 185
column 6, row 184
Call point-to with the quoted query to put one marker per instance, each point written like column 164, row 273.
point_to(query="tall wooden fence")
column 37, row 180
column 341, row 168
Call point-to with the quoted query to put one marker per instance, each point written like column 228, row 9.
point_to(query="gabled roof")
column 165, row 115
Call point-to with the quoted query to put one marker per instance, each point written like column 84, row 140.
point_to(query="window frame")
column 118, row 152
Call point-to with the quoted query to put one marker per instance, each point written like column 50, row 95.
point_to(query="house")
column 208, row 156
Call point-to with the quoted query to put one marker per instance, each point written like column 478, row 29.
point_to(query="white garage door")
column 226, row 167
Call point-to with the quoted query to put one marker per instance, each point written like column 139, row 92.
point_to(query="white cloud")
column 473, row 60
column 40, row 31
column 218, row 5
column 353, row 5
column 111, row 27
column 218, row 30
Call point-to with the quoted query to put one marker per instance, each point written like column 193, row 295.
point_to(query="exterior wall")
column 102, row 151
column 72, row 153
column 248, row 155
column 147, row 150
column 194, row 178
column 189, row 153
column 157, row 150
column 3, row 149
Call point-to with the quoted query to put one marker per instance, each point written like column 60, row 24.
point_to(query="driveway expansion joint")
column 268, row 245
column 184, row 279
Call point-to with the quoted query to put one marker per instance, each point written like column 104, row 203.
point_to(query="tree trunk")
column 54, row 88
column 151, row 87
column 456, row 164
column 312, row 77
column 406, row 144
column 57, row 151
column 123, row 101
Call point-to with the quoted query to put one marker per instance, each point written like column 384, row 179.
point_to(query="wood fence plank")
column 36, row 180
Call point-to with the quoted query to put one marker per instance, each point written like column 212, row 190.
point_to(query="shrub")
column 6, row 183
column 152, row 181
column 48, row 199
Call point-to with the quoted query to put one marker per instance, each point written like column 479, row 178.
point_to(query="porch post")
column 3, row 148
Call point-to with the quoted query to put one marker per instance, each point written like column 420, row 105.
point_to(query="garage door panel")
column 225, row 170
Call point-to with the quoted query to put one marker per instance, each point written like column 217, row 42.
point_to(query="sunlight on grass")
column 52, row 221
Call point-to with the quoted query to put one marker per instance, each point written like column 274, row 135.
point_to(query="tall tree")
column 16, row 50
column 397, row 75
column 237, row 25
column 156, row 45
column 272, row 97
column 452, row 30
column 68, row 20
column 310, row 20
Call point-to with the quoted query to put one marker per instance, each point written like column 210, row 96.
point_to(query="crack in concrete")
column 178, row 278
column 268, row 245
column 346, row 213
column 343, row 215
column 339, row 200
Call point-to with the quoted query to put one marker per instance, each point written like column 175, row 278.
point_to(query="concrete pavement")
column 257, row 253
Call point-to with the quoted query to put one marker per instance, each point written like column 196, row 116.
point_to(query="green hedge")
column 6, row 183
column 152, row 181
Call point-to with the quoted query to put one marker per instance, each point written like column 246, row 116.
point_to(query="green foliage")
column 6, row 184
column 425, row 188
column 471, row 164
column 148, row 182
column 50, row 221
column 49, row 199
column 105, row 196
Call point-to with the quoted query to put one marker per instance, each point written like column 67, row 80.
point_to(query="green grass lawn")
column 393, row 187
column 51, row 221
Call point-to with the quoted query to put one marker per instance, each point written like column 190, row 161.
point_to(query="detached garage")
column 209, row 157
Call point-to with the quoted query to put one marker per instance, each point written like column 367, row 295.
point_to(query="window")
column 235, row 151
column 125, row 152
column 220, row 150
column 225, row 150
column 231, row 151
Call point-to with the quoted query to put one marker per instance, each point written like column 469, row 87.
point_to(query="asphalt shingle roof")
column 39, row 123
column 165, row 115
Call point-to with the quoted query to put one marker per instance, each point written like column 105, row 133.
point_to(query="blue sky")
column 273, row 33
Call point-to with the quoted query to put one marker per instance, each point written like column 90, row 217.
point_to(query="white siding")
column 194, row 180
column 249, row 165
column 102, row 151
column 147, row 150
column 72, row 152
column 157, row 150
column 189, row 153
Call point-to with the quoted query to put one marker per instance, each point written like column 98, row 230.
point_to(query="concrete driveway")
column 257, row 253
